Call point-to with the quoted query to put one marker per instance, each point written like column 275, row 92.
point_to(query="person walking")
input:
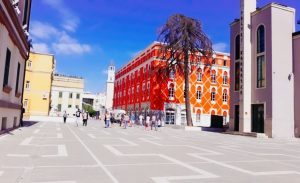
column 107, row 122
column 78, row 113
column 65, row 115
column 153, row 121
column 141, row 120
column 126, row 119
column 85, row 118
column 147, row 122
column 122, row 119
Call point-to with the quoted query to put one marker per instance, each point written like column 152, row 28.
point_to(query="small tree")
column 184, row 44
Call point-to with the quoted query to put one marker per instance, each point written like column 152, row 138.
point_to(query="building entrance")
column 258, row 120
column 236, row 117
column 170, row 117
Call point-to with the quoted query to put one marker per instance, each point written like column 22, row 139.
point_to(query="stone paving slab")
column 52, row 152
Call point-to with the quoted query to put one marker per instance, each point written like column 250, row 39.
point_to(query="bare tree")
column 184, row 44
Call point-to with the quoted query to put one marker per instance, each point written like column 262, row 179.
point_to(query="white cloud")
column 222, row 47
column 42, row 30
column 47, row 38
column 69, row 45
column 70, row 21
column 40, row 48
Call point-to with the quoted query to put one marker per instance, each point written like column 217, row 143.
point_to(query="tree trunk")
column 187, row 89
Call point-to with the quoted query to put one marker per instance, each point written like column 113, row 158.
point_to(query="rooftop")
column 296, row 33
column 67, row 76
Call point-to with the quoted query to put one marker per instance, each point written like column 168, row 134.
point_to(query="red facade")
column 139, row 88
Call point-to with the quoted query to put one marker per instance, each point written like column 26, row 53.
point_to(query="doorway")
column 170, row 117
column 236, row 118
column 258, row 120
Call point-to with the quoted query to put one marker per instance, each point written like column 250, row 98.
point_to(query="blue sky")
column 86, row 35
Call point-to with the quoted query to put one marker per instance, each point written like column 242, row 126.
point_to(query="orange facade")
column 140, row 88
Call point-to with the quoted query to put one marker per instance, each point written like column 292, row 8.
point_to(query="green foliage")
column 89, row 109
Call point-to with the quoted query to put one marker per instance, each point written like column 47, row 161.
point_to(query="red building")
column 139, row 88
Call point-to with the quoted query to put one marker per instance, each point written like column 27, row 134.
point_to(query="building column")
column 247, row 7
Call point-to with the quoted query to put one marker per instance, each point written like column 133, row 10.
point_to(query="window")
column 27, row 85
column 213, row 76
column 225, row 96
column 224, row 62
column 237, row 76
column 261, row 71
column 77, row 106
column 144, row 85
column 71, row 95
column 29, row 64
column 225, row 78
column 172, row 74
column 261, row 39
column 237, row 47
column 138, row 89
column 199, row 93
column 213, row 62
column 198, row 116
column 148, row 86
column 6, row 69
column 213, row 95
column 69, row 106
column 25, row 103
column 59, row 107
column 199, row 75
column 78, row 96
column 171, row 91
column 213, row 112
column 60, row 94
column 17, row 79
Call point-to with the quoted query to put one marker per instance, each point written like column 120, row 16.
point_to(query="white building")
column 110, row 87
column 66, row 94
column 14, row 51
column 97, row 101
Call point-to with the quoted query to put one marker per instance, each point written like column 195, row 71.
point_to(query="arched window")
column 213, row 94
column 198, row 115
column 171, row 91
column 261, row 39
column 213, row 112
column 199, row 75
column 199, row 93
column 225, row 95
column 225, row 78
column 237, row 47
column 260, row 60
column 213, row 76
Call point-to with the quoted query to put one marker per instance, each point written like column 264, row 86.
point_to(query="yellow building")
column 37, row 85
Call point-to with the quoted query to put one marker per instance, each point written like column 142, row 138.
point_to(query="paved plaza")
column 50, row 152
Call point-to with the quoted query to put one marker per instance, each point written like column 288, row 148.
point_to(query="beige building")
column 14, row 48
column 66, row 94
column 37, row 85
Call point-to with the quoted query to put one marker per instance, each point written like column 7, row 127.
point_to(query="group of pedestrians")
column 126, row 120
column 78, row 114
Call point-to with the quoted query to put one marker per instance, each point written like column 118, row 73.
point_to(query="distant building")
column 37, row 85
column 140, row 89
column 14, row 51
column 97, row 101
column 265, row 71
column 66, row 94
column 110, row 87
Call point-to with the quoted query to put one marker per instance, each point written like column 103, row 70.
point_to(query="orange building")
column 140, row 89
